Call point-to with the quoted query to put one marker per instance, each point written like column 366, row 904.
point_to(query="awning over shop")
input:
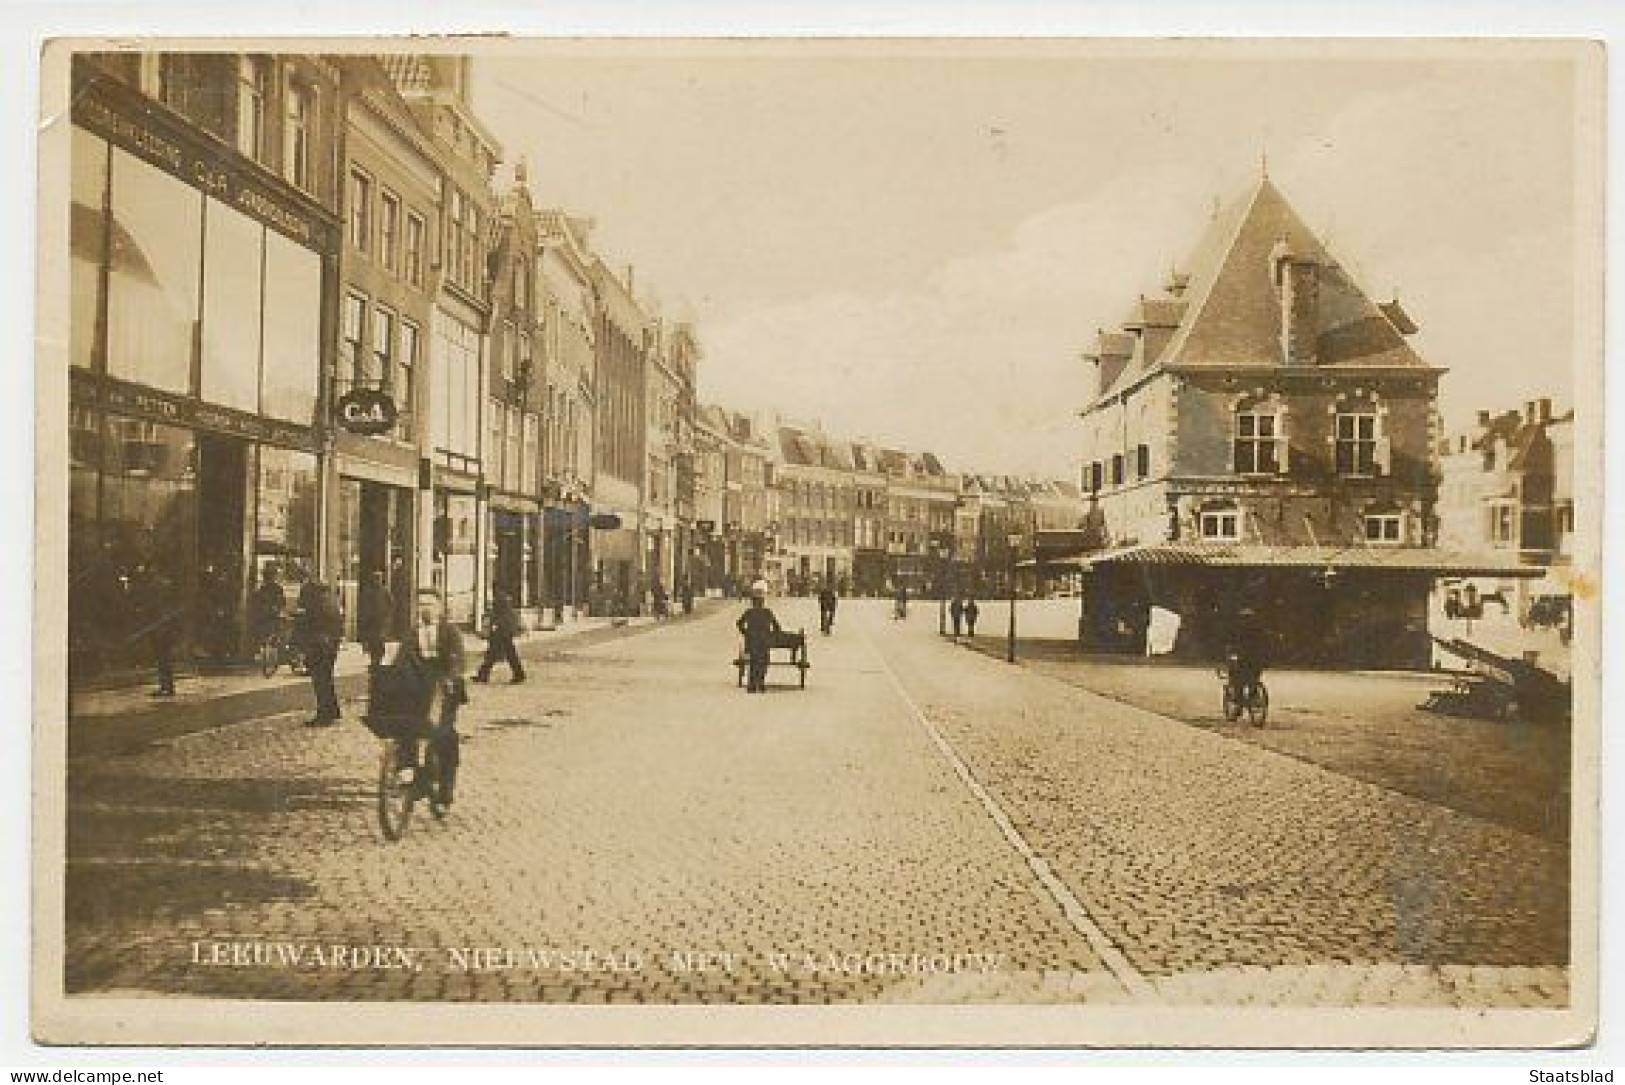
column 1409, row 559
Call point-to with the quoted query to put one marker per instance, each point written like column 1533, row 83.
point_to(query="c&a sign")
column 366, row 411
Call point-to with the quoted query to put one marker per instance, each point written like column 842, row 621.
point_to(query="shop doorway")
column 222, row 560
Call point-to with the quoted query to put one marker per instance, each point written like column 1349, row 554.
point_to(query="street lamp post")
column 1010, row 645
column 942, row 597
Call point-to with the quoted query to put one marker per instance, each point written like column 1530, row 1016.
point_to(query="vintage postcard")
column 818, row 542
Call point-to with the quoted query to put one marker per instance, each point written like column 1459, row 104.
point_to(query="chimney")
column 1483, row 419
column 1298, row 279
column 1543, row 410
column 1529, row 412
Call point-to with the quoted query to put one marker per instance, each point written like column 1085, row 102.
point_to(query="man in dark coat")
column 318, row 629
column 373, row 617
column 499, row 645
column 827, row 601
column 758, row 625
column 434, row 648
column 971, row 613
column 161, row 613
column 956, row 611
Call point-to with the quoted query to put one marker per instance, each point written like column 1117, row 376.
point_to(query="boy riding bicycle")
column 433, row 652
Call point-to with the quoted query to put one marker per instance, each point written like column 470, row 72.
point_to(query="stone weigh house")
column 1263, row 436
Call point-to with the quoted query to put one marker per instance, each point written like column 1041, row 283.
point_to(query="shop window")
column 153, row 275
column 291, row 370
column 1356, row 443
column 149, row 493
column 233, row 260
column 1259, row 443
column 285, row 519
column 87, row 244
column 1220, row 524
column 1384, row 527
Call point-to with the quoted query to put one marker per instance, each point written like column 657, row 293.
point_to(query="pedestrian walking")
column 685, row 594
column 662, row 604
column 971, row 611
column 374, row 615
column 318, row 628
column 160, row 613
column 827, row 601
column 758, row 625
column 400, row 594
column 956, row 613
column 499, row 643
column 900, row 609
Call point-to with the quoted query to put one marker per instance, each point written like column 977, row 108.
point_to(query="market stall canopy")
column 1411, row 559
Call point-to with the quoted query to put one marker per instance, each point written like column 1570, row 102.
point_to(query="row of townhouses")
column 802, row 508
column 320, row 329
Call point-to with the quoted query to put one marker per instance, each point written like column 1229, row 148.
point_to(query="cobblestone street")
column 921, row 824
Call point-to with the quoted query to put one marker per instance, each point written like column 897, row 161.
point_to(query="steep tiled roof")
column 1235, row 315
column 1229, row 313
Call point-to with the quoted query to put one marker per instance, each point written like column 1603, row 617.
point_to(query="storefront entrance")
column 375, row 536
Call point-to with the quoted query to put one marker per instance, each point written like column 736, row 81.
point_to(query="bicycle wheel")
column 270, row 656
column 1232, row 704
column 396, row 792
column 1258, row 704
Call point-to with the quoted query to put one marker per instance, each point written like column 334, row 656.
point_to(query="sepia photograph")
column 777, row 541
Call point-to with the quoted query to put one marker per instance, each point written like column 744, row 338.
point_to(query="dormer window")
column 1384, row 527
column 1219, row 523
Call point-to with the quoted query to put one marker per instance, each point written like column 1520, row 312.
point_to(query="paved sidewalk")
column 125, row 718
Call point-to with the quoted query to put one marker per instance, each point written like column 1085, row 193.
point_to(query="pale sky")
column 917, row 248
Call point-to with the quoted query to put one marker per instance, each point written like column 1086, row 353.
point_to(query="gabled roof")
column 1230, row 311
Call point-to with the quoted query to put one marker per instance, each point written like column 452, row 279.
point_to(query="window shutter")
column 1382, row 456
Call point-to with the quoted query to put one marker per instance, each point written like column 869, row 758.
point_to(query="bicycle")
column 409, row 764
column 1252, row 697
column 277, row 649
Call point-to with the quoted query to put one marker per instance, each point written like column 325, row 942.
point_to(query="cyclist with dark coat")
column 434, row 648
column 1246, row 649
